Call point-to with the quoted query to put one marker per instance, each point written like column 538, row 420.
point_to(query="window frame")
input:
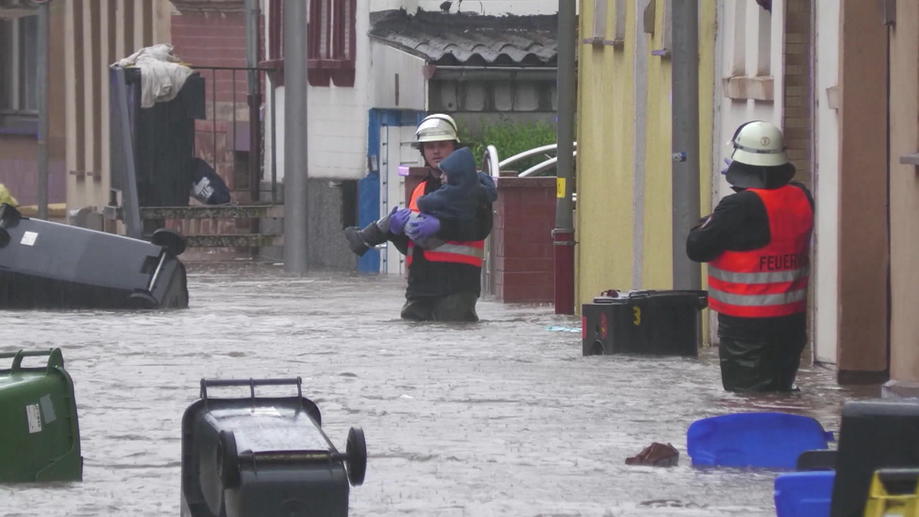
column 331, row 41
column 19, row 113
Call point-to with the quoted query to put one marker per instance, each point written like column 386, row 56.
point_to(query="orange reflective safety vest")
column 770, row 281
column 467, row 252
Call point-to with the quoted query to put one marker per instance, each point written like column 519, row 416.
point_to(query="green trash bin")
column 39, row 434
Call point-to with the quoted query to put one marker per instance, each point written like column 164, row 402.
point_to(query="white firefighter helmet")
column 438, row 127
column 759, row 143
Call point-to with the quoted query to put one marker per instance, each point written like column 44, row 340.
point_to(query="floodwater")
column 501, row 417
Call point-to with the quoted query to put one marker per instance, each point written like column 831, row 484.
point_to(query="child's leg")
column 361, row 240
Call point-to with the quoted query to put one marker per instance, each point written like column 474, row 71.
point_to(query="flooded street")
column 502, row 417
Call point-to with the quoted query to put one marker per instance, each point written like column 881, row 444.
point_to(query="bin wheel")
column 357, row 456
column 9, row 216
column 141, row 300
column 596, row 348
column 172, row 241
column 228, row 461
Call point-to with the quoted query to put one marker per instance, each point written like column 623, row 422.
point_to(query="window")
column 331, row 40
column 19, row 72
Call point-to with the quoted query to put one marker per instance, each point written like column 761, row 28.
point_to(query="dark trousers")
column 760, row 354
column 454, row 307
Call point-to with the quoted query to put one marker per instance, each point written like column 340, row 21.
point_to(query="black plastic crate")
column 643, row 322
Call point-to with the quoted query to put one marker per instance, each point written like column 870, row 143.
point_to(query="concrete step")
column 213, row 212
column 244, row 240
column 230, row 211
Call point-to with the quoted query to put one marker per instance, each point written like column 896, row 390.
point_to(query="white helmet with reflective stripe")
column 438, row 127
column 759, row 143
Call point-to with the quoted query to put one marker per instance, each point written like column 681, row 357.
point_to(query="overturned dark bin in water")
column 44, row 264
column 39, row 433
column 264, row 456
column 643, row 322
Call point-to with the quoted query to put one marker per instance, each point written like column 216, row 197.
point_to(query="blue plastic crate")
column 804, row 494
column 772, row 440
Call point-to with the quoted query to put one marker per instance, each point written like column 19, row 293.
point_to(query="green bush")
column 511, row 138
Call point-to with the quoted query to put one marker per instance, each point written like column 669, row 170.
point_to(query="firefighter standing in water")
column 757, row 245
column 444, row 283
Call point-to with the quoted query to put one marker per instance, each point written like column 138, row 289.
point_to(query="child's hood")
column 459, row 168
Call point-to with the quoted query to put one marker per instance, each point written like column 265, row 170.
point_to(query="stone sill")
column 758, row 88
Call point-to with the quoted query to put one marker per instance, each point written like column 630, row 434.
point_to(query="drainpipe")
column 685, row 138
column 295, row 134
column 563, row 233
column 42, row 87
column 254, row 97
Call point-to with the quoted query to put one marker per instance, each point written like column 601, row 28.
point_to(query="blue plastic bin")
column 772, row 440
column 804, row 494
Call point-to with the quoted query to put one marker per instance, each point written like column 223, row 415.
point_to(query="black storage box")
column 874, row 434
column 44, row 264
column 643, row 322
column 264, row 456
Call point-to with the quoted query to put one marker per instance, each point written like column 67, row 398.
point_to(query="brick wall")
column 798, row 108
column 211, row 38
column 217, row 39
column 522, row 241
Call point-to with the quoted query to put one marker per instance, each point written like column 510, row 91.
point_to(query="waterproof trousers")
column 760, row 354
column 454, row 307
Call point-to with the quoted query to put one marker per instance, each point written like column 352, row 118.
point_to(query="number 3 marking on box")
column 636, row 316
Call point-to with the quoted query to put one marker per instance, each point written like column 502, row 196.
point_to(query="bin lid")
column 261, row 428
column 46, row 249
column 614, row 296
column 12, row 380
column 17, row 375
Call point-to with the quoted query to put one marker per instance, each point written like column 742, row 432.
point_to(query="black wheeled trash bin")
column 39, row 433
column 264, row 456
column 643, row 322
column 873, row 434
column 44, row 264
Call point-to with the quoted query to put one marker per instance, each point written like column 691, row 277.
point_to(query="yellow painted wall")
column 657, row 261
column 604, row 182
column 606, row 113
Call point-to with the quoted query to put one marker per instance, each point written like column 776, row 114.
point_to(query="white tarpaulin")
column 162, row 74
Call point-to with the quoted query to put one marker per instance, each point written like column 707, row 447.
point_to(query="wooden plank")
column 863, row 310
column 904, row 194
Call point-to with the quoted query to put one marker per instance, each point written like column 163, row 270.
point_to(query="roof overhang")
column 489, row 73
column 470, row 42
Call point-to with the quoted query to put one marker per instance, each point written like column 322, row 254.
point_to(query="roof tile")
column 463, row 38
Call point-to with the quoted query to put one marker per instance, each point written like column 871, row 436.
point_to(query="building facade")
column 624, row 199
column 840, row 78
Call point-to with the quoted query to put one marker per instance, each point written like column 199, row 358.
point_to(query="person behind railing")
column 442, row 232
column 756, row 243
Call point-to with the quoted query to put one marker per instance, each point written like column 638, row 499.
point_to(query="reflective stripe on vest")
column 758, row 299
column 769, row 281
column 458, row 252
column 771, row 277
